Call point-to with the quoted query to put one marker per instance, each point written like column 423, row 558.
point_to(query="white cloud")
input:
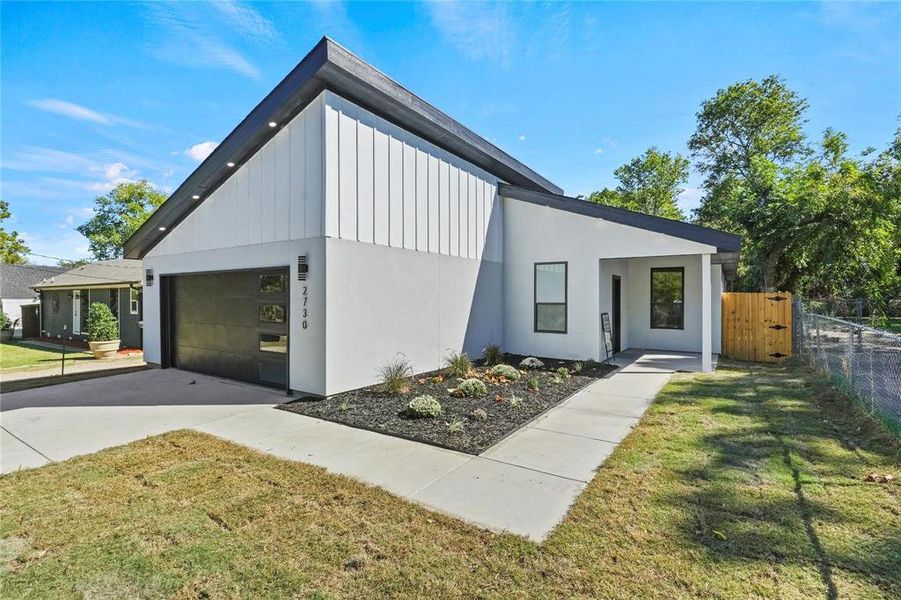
column 200, row 151
column 522, row 137
column 81, row 113
column 69, row 245
column 194, row 34
column 95, row 172
column 599, row 150
column 478, row 30
column 690, row 199
column 68, row 109
column 246, row 20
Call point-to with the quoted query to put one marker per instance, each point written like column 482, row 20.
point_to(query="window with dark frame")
column 551, row 289
column 668, row 298
column 272, row 313
column 271, row 283
column 133, row 301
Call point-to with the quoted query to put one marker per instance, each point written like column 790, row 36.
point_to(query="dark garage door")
column 232, row 324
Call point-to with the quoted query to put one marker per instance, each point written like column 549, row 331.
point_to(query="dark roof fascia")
column 724, row 242
column 328, row 66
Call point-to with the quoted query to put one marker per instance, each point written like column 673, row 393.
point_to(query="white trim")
column 134, row 309
column 706, row 316
column 76, row 312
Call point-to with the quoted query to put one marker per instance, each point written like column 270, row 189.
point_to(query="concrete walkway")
column 524, row 485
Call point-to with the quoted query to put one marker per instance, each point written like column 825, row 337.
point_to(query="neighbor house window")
column 133, row 301
column 550, row 297
column 668, row 298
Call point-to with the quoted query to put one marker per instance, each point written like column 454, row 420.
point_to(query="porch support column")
column 706, row 316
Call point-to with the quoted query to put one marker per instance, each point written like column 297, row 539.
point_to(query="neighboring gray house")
column 15, row 288
column 65, row 299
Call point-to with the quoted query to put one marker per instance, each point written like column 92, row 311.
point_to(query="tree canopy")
column 13, row 250
column 813, row 220
column 117, row 215
column 650, row 183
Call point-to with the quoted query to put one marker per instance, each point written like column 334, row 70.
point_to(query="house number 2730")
column 303, row 309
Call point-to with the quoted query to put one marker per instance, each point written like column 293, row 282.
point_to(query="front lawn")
column 750, row 482
column 469, row 424
column 17, row 355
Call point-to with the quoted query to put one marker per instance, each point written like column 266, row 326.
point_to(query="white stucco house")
column 345, row 220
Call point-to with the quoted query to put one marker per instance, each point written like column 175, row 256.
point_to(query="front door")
column 76, row 312
column 615, row 300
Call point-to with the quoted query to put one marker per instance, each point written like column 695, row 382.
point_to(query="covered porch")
column 665, row 303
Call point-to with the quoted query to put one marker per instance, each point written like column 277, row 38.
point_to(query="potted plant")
column 103, row 331
column 7, row 327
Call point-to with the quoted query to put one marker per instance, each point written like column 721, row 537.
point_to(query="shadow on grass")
column 780, row 476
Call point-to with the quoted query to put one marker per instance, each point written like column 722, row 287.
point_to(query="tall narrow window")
column 668, row 298
column 133, row 302
column 550, row 297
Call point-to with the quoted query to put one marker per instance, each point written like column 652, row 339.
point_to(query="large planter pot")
column 6, row 335
column 104, row 350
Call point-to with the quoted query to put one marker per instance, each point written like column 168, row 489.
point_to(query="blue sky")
column 97, row 93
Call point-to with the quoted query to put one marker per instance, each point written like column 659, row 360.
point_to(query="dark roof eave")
column 328, row 66
column 723, row 241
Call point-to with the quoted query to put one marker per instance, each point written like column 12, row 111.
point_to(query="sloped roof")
column 16, row 280
column 104, row 273
column 329, row 66
column 724, row 242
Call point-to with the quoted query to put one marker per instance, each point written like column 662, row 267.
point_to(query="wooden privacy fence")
column 757, row 326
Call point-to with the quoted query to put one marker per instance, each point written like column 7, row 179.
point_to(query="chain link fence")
column 862, row 360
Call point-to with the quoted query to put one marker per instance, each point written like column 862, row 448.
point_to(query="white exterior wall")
column 639, row 294
column 414, row 250
column 306, row 347
column 386, row 186
column 275, row 196
column 388, row 301
column 13, row 308
column 536, row 233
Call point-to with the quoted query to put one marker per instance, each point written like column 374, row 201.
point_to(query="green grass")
column 19, row 356
column 750, row 482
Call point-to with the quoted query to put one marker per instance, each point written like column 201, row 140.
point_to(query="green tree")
column 817, row 222
column 12, row 248
column 117, row 215
column 650, row 183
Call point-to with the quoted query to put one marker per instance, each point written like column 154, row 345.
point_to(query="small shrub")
column 533, row 384
column 424, row 407
column 514, row 401
column 344, row 407
column 6, row 323
column 531, row 363
column 556, row 380
column 102, row 325
column 562, row 373
column 505, row 371
column 492, row 355
column 396, row 375
column 479, row 414
column 577, row 368
column 458, row 364
column 454, row 426
column 470, row 388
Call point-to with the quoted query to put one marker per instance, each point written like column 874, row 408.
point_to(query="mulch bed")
column 371, row 408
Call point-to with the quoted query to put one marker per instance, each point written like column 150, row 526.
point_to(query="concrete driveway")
column 58, row 422
column 525, row 484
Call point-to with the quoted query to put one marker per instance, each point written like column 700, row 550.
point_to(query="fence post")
column 851, row 334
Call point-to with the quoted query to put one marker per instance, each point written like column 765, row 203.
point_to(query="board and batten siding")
column 386, row 186
column 275, row 196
